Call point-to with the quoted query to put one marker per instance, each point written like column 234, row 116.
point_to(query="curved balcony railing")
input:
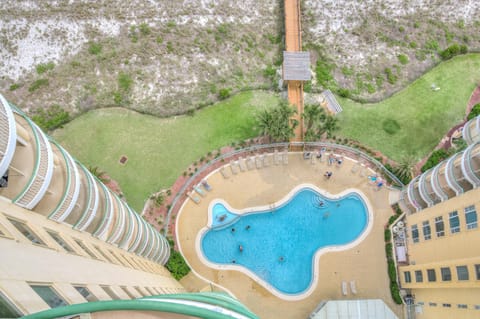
column 164, row 251
column 154, row 248
column 471, row 131
column 128, row 236
column 8, row 135
column 414, row 201
column 348, row 151
column 450, row 175
column 72, row 189
column 92, row 201
column 119, row 226
column 42, row 173
column 138, row 234
column 437, row 188
column 107, row 219
column 147, row 241
column 470, row 173
column 422, row 187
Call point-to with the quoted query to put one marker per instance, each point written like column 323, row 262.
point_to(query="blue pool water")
column 279, row 245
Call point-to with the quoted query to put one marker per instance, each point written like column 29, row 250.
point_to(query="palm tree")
column 404, row 169
column 277, row 122
column 317, row 122
column 98, row 173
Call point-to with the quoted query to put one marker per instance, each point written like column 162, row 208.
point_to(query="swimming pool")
column 278, row 244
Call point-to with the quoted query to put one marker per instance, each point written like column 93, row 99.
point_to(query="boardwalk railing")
column 262, row 148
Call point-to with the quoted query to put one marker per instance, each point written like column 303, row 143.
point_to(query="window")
column 129, row 294
column 432, row 304
column 462, row 306
column 26, row 231
column 110, row 292
column 85, row 248
column 103, row 254
column 60, row 241
column 446, row 305
column 418, row 276
column 471, row 217
column 477, row 271
column 462, row 272
column 446, row 274
column 86, row 293
column 432, row 276
column 439, row 226
column 427, row 234
column 49, row 295
column 415, row 233
column 454, row 222
column 8, row 309
column 407, row 276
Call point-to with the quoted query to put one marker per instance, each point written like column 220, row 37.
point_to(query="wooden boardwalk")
column 293, row 43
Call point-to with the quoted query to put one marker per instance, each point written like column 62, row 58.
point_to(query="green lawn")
column 423, row 115
column 158, row 150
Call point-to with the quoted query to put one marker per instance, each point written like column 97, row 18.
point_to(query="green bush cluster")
column 453, row 50
column 391, row 78
column 474, row 112
column 224, row 93
column 44, row 67
column 95, row 48
column 402, row 58
column 436, row 157
column 392, row 270
column 323, row 71
column 51, row 118
column 37, row 84
column 176, row 264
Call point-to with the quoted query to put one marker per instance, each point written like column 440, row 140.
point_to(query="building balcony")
column 101, row 210
column 452, row 174
column 471, row 164
column 42, row 171
column 72, row 188
column 92, row 200
column 8, row 135
column 414, row 195
column 108, row 215
column 119, row 227
column 436, row 184
column 139, row 234
column 128, row 236
column 425, row 190
column 471, row 131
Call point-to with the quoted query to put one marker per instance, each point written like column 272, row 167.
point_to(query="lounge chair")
column 259, row 161
column 199, row 191
column 276, row 158
column 193, row 197
column 344, row 288
column 267, row 160
column 285, row 158
column 355, row 167
column 241, row 164
column 223, row 172
column 353, row 287
column 312, row 159
column 234, row 167
column 206, row 186
column 364, row 171
column 250, row 163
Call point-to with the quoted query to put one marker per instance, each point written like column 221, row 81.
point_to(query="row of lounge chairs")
column 199, row 189
column 254, row 162
column 353, row 287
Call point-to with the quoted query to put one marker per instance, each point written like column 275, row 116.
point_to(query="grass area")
column 158, row 150
column 413, row 121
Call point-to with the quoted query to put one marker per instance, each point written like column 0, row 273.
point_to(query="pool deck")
column 365, row 263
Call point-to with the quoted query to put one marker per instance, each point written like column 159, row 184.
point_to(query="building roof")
column 296, row 66
column 353, row 309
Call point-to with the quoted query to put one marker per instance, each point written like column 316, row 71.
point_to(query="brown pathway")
column 293, row 43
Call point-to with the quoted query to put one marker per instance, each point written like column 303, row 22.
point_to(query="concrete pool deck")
column 365, row 263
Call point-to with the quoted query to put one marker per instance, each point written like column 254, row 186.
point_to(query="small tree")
column 277, row 122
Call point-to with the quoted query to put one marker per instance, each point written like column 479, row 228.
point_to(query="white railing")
column 91, row 206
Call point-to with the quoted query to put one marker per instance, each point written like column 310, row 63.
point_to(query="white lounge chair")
column 224, row 172
column 285, row 158
column 234, row 167
column 199, row 191
column 276, row 158
column 250, row 163
column 193, row 197
column 259, row 161
column 344, row 288
column 353, row 287
column 241, row 164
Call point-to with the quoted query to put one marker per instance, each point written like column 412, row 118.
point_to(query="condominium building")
column 442, row 268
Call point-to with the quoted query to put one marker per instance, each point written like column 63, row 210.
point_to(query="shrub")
column 269, row 71
column 388, row 250
column 474, row 112
column 176, row 264
column 224, row 93
column 15, row 86
column 391, row 78
column 124, row 82
column 44, row 67
column 395, row 293
column 344, row 92
column 37, row 84
column 323, row 72
column 402, row 58
column 388, row 235
column 453, row 50
column 413, row 45
column 431, row 45
column 436, row 157
column 95, row 48
column 51, row 118
column 144, row 28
